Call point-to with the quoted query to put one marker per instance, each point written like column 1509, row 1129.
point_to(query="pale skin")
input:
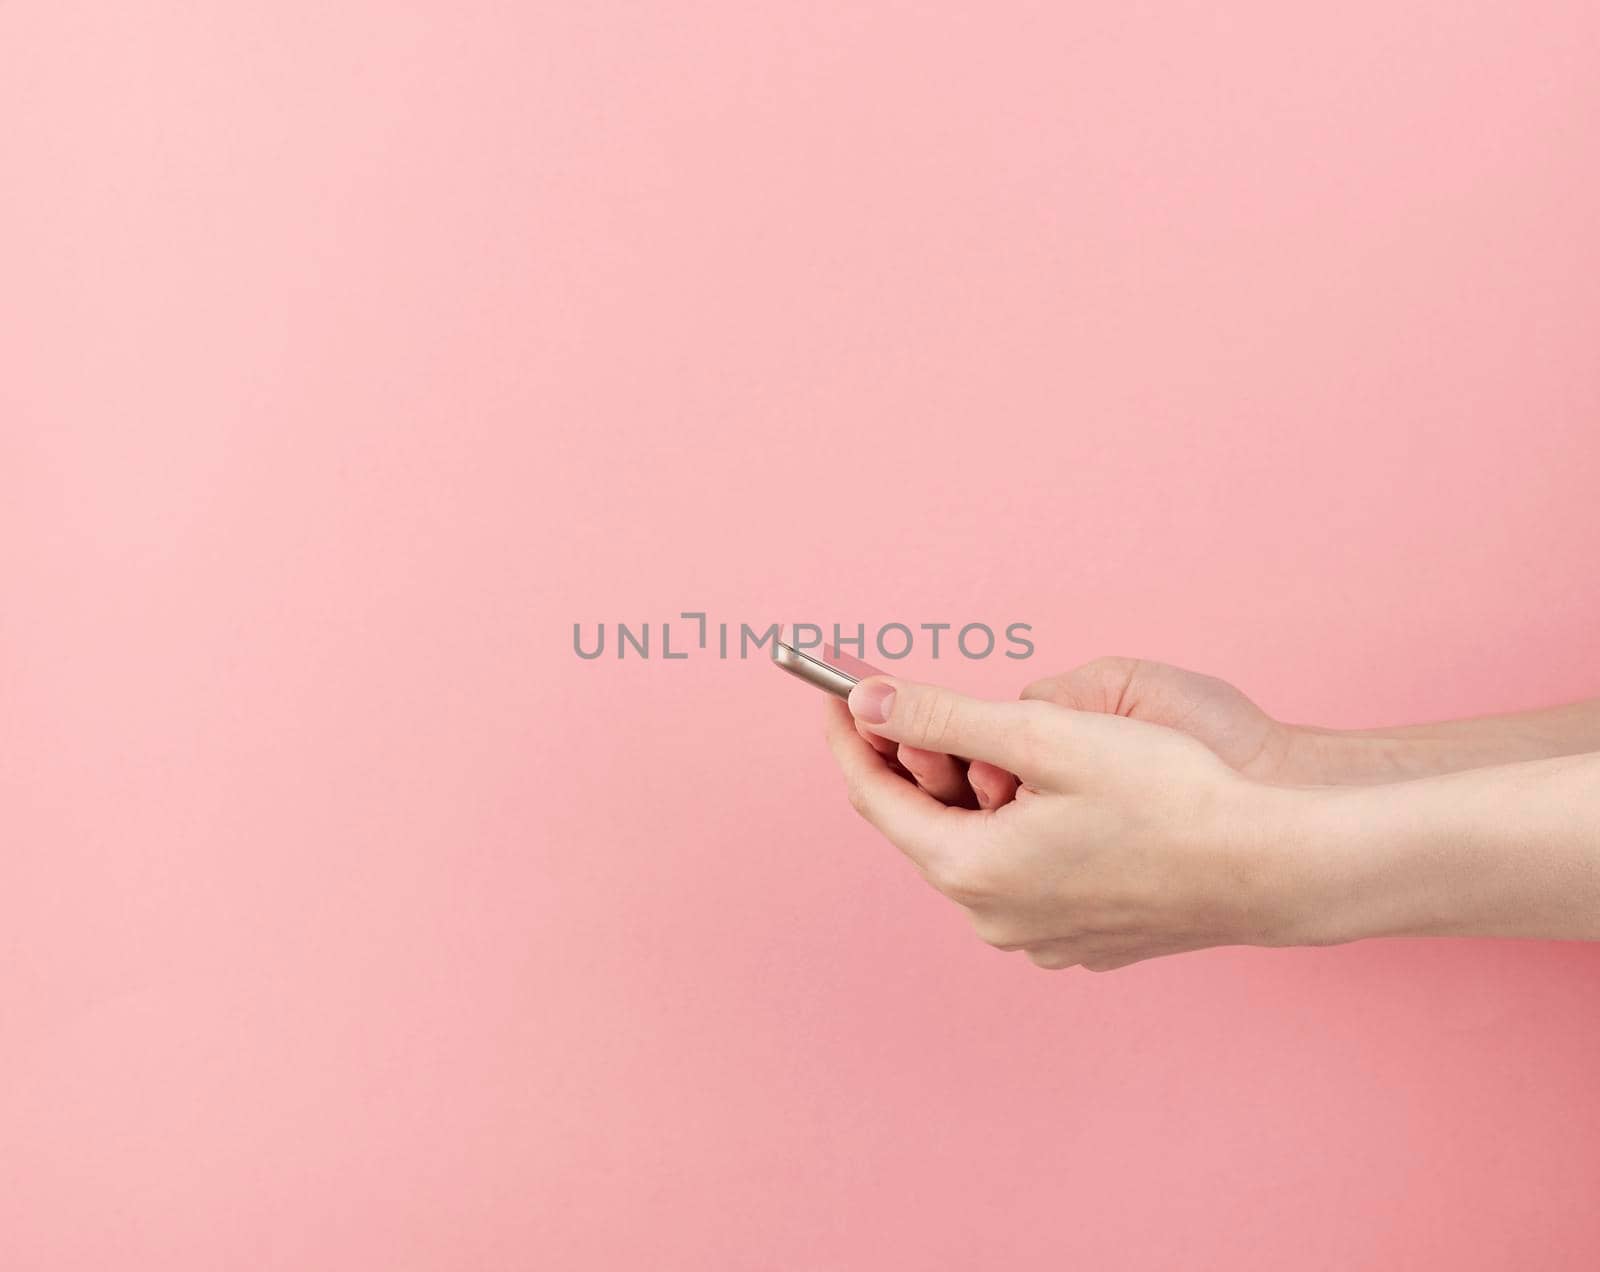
column 1155, row 811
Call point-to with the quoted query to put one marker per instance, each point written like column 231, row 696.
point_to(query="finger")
column 888, row 749
column 1056, row 956
column 911, row 819
column 883, row 746
column 992, row 787
column 1016, row 736
column 1112, row 964
column 942, row 776
column 1102, row 954
column 1138, row 953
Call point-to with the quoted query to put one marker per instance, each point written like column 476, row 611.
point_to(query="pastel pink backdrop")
column 353, row 352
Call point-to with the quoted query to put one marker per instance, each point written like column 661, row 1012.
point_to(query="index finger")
column 920, row 826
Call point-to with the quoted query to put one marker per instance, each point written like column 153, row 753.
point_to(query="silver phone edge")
column 828, row 679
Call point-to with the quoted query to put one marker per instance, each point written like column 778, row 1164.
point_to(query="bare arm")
column 1245, row 738
column 1128, row 840
column 1512, row 850
column 1334, row 757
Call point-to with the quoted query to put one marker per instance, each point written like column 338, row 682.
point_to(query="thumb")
column 1016, row 736
column 1105, row 685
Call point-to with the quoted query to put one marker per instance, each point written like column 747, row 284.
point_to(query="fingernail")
column 871, row 701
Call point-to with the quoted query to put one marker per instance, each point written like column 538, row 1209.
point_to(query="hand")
column 948, row 778
column 1250, row 741
column 1242, row 735
column 1125, row 840
column 1239, row 733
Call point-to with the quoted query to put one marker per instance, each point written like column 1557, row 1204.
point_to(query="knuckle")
column 857, row 795
column 917, row 762
column 1034, row 725
column 932, row 717
column 947, row 876
column 1052, row 960
column 960, row 879
column 997, row 932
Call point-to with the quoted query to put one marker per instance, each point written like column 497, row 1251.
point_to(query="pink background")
column 353, row 352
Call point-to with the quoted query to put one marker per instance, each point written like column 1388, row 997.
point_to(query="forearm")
column 1508, row 851
column 1359, row 756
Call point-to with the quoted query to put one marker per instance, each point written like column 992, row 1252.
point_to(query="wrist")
column 1311, row 756
column 1344, row 863
column 1407, row 858
column 1266, row 850
column 1507, row 851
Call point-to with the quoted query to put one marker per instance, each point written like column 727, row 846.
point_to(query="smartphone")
column 824, row 666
